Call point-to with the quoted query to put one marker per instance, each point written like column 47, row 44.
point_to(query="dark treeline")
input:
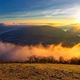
column 50, row 59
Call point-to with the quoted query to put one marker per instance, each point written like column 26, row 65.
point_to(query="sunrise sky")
column 60, row 12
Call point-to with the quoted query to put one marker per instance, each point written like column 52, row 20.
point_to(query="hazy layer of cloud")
column 14, row 52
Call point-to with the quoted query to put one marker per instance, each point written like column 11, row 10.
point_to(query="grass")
column 18, row 71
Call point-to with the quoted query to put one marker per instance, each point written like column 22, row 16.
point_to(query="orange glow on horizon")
column 41, row 22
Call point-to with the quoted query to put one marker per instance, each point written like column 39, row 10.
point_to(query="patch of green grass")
column 17, row 71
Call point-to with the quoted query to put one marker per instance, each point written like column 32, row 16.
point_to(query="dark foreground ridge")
column 44, row 60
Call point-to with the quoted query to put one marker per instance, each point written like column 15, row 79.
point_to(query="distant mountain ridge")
column 31, row 35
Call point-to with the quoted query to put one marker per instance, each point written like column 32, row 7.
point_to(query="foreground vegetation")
column 21, row 71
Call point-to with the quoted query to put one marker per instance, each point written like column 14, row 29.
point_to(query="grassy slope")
column 39, row 72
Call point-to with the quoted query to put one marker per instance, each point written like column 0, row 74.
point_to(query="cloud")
column 48, row 9
column 13, row 52
column 50, row 13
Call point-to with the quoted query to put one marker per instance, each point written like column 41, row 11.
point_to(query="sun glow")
column 78, row 19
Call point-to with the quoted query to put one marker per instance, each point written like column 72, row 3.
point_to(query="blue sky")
column 38, row 9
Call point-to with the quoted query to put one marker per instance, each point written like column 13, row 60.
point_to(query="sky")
column 40, row 11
